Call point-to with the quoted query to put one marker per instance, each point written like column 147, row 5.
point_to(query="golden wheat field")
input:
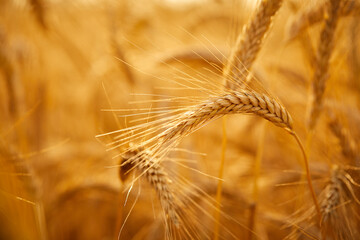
column 174, row 119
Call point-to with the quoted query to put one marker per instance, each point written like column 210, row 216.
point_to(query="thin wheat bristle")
column 121, row 59
column 324, row 52
column 212, row 58
column 249, row 43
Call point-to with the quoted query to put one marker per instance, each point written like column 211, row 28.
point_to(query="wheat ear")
column 325, row 49
column 311, row 16
column 332, row 195
column 236, row 103
column 39, row 12
column 229, row 103
column 248, row 43
column 337, row 201
column 336, row 221
column 346, row 142
column 156, row 176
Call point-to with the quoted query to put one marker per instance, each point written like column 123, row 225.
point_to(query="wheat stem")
column 220, row 182
column 308, row 175
column 257, row 167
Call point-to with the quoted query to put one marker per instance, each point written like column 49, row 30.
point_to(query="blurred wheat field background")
column 172, row 119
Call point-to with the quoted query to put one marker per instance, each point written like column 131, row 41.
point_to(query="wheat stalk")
column 238, row 102
column 249, row 42
column 172, row 129
column 322, row 61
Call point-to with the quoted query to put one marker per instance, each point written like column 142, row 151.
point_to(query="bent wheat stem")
column 307, row 169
